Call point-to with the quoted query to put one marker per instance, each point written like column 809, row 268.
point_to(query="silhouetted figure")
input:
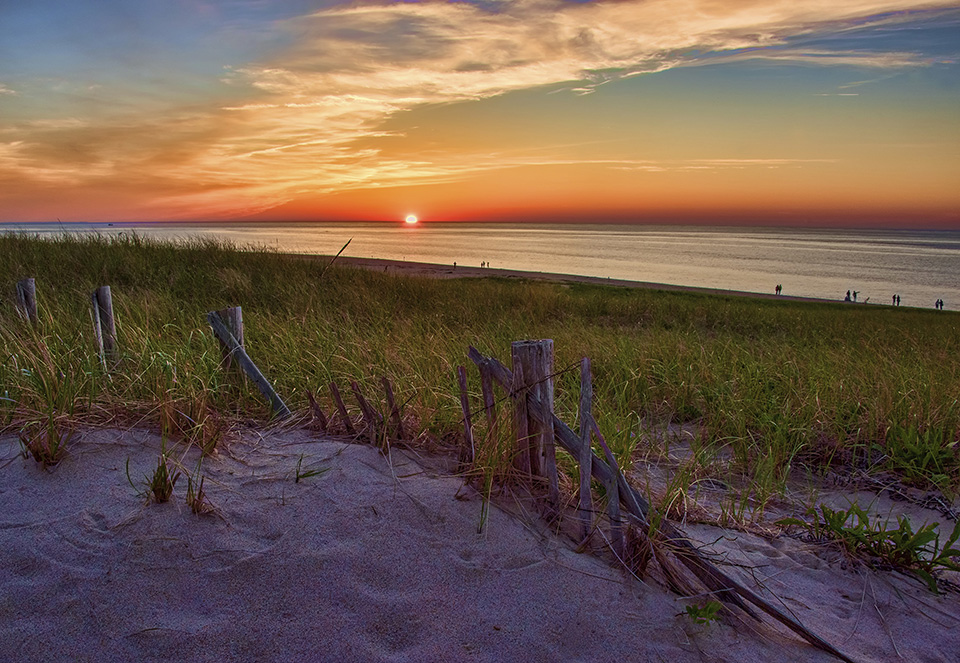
column 847, row 298
column 854, row 295
column 898, row 300
column 893, row 301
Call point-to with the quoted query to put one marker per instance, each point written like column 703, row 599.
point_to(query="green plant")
column 46, row 440
column 161, row 484
column 197, row 499
column 306, row 474
column 918, row 552
column 704, row 613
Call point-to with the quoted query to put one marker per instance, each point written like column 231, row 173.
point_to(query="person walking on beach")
column 898, row 300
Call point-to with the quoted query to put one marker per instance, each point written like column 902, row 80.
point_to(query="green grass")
column 776, row 385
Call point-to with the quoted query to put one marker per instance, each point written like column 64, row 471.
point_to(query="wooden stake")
column 536, row 360
column 280, row 408
column 489, row 405
column 521, row 421
column 394, row 410
column 318, row 414
column 467, row 451
column 585, row 504
column 233, row 319
column 27, row 300
column 342, row 409
column 104, row 324
column 370, row 416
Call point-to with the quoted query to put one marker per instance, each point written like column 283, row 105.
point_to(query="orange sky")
column 744, row 111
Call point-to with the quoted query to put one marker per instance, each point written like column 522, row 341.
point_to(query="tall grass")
column 777, row 385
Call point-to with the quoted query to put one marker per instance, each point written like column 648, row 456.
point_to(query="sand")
column 434, row 270
column 379, row 559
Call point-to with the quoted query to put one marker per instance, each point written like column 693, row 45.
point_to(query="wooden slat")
column 370, row 416
column 318, row 414
column 342, row 409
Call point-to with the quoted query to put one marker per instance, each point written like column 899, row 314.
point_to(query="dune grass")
column 772, row 386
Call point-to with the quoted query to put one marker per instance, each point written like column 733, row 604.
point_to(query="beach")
column 453, row 271
column 377, row 557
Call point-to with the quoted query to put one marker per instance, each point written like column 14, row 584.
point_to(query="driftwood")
column 467, row 451
column 342, row 409
column 104, row 324
column 638, row 511
column 27, row 300
column 240, row 356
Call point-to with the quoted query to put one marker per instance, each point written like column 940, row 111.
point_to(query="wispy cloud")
column 295, row 120
column 5, row 90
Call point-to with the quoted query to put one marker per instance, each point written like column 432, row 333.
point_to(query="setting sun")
column 411, row 219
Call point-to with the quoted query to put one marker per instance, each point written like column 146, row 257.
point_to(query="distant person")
column 854, row 294
column 454, row 264
column 893, row 301
column 847, row 298
column 898, row 300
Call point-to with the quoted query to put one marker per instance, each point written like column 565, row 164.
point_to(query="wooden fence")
column 538, row 432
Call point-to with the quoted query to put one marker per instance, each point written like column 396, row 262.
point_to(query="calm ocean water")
column 920, row 266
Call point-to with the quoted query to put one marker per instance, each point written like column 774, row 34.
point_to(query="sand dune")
column 376, row 559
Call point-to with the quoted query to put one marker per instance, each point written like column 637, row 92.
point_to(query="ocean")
column 919, row 265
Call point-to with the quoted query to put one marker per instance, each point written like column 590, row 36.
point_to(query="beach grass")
column 771, row 387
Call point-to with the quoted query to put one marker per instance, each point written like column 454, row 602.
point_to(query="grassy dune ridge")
column 774, row 384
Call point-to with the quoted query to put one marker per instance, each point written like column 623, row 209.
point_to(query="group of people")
column 848, row 298
column 938, row 305
column 896, row 300
column 778, row 289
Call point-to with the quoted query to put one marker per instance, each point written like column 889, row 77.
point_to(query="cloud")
column 295, row 119
column 5, row 90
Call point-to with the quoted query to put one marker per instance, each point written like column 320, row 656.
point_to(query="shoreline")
column 441, row 271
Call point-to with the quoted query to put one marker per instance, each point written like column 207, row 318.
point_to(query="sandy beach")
column 378, row 558
column 435, row 270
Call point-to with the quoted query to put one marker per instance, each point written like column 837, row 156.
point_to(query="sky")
column 793, row 112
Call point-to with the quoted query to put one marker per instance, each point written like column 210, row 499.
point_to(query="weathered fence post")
column 226, row 337
column 533, row 373
column 585, row 505
column 467, row 451
column 27, row 300
column 233, row 319
column 104, row 324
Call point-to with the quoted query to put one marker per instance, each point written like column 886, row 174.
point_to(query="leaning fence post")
column 104, row 323
column 243, row 359
column 536, row 360
column 27, row 300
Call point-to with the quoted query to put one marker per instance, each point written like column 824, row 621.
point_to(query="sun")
column 411, row 219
